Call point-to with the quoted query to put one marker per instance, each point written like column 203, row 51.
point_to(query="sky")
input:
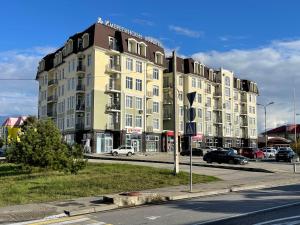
column 257, row 39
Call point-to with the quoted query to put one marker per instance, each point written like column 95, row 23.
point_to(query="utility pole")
column 295, row 118
column 265, row 108
column 175, row 117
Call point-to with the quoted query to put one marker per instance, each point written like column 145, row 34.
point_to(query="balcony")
column 218, row 121
column 168, row 85
column 217, row 94
column 149, row 77
column 149, row 94
column 80, row 88
column 113, row 126
column 244, row 123
column 52, row 99
column 52, row 82
column 149, row 112
column 113, row 68
column 218, row 107
column 80, row 69
column 113, row 88
column 149, row 129
column 114, row 48
column 244, row 112
column 79, row 126
column 51, row 113
column 244, row 98
column 113, row 107
column 167, row 116
column 80, row 107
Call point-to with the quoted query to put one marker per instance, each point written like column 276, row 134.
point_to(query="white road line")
column 71, row 221
column 153, row 217
column 248, row 213
column 281, row 219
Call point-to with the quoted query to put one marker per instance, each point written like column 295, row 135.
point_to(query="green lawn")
column 18, row 187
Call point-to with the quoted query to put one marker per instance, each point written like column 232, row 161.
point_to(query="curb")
column 180, row 197
column 249, row 169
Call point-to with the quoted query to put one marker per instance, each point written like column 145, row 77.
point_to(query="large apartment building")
column 225, row 105
column 105, row 85
column 109, row 86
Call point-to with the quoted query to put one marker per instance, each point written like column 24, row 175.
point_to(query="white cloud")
column 186, row 32
column 274, row 67
column 143, row 22
column 19, row 95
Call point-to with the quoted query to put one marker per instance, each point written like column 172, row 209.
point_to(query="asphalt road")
column 249, row 207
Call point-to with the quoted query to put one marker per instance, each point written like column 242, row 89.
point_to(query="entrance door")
column 108, row 144
column 136, row 145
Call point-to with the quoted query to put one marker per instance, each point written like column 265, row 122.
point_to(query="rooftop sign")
column 130, row 32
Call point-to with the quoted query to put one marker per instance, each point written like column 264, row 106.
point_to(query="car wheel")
column 231, row 161
column 129, row 154
column 115, row 154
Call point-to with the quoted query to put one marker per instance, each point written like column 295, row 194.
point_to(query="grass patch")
column 18, row 187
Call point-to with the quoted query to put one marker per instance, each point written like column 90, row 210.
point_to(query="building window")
column 128, row 120
column 129, row 64
column 129, row 103
column 89, row 60
column 139, row 66
column 180, row 96
column 156, row 107
column 235, row 95
column 138, row 121
column 227, row 81
column 198, row 83
column 88, row 79
column 155, row 74
column 193, row 82
column 227, row 92
column 155, row 90
column 208, row 89
column 138, row 103
column 199, row 128
column 129, row 82
column 208, row 102
column 200, row 113
column 138, row 85
column 199, row 98
column 236, row 107
column 180, row 81
column 208, row 116
column 156, row 123
column 227, row 105
column 88, row 119
column 181, row 111
column 228, row 118
column 88, row 100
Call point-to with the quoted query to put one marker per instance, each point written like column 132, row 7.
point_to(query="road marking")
column 153, row 217
column 281, row 219
column 249, row 213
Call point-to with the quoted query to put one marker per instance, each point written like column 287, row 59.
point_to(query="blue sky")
column 257, row 39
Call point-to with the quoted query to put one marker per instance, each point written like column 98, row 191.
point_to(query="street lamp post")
column 265, row 108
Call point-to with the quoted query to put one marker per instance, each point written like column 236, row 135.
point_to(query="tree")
column 41, row 145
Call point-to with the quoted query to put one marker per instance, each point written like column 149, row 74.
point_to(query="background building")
column 225, row 105
column 104, row 87
column 11, row 127
column 285, row 131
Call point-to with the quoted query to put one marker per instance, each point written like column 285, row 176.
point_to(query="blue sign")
column 191, row 97
column 190, row 129
column 191, row 114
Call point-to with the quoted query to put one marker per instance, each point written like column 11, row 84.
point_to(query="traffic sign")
column 191, row 97
column 191, row 115
column 190, row 129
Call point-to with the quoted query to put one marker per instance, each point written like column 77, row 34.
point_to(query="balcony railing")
column 52, row 82
column 114, row 47
column 218, row 94
column 80, row 87
column 113, row 68
column 113, row 126
column 80, row 107
column 81, row 68
column 168, row 85
column 112, row 88
column 51, row 113
column 79, row 126
column 113, row 106
column 52, row 98
column 218, row 120
column 167, row 116
column 149, row 111
column 217, row 107
column 149, row 94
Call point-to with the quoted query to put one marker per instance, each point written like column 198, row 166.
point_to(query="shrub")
column 41, row 145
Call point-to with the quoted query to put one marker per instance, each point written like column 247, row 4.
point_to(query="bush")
column 1, row 142
column 41, row 145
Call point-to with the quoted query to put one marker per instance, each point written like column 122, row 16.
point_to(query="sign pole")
column 191, row 164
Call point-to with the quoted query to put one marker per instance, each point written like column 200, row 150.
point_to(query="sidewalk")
column 102, row 203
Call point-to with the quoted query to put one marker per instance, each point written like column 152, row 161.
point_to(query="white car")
column 123, row 150
column 269, row 153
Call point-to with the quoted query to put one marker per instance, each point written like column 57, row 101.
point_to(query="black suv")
column 221, row 156
column 286, row 154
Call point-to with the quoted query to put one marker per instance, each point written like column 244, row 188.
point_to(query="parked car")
column 123, row 150
column 195, row 152
column 252, row 153
column 223, row 156
column 286, row 154
column 269, row 152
